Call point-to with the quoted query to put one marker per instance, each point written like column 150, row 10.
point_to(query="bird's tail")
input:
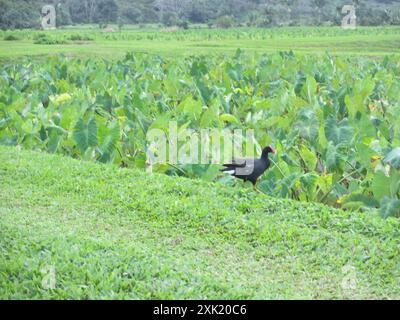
column 231, row 171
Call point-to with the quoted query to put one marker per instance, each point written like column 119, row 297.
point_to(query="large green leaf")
column 338, row 133
column 332, row 157
column 54, row 141
column 229, row 118
column 381, row 185
column 307, row 124
column 310, row 88
column 309, row 158
column 85, row 134
column 309, row 184
column 393, row 158
column 191, row 107
column 109, row 142
column 204, row 91
column 390, row 207
column 209, row 118
column 286, row 184
column 362, row 200
column 4, row 122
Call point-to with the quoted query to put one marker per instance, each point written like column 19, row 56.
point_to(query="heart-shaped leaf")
column 85, row 134
column 338, row 133
column 393, row 158
column 390, row 207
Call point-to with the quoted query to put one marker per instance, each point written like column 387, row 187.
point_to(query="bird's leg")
column 256, row 189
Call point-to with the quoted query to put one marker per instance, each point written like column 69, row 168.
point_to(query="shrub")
column 170, row 19
column 225, row 22
column 184, row 25
column 80, row 37
column 42, row 38
column 11, row 37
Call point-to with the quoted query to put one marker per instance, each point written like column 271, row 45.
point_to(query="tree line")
column 222, row 13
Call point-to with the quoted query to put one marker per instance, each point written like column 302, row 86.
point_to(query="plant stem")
column 333, row 186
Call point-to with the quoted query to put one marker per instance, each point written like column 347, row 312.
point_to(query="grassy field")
column 114, row 233
column 367, row 41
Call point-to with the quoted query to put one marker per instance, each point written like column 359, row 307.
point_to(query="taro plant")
column 334, row 121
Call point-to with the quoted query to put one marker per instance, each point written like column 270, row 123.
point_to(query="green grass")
column 364, row 41
column 114, row 233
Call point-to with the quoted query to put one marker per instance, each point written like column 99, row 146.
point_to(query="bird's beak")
column 273, row 150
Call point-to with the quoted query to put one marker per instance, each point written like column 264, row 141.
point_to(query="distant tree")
column 63, row 15
column 290, row 4
column 169, row 19
column 319, row 4
column 267, row 18
column 89, row 7
column 196, row 14
column 184, row 25
column 19, row 15
column 225, row 22
column 252, row 19
column 131, row 14
column 395, row 20
column 4, row 9
column 106, row 11
column 262, row 13
column 82, row 11
column 120, row 23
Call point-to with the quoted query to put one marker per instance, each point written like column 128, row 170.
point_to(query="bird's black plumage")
column 250, row 169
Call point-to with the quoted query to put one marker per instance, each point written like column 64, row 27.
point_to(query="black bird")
column 250, row 169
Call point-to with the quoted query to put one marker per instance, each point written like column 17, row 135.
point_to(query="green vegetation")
column 44, row 39
column 88, row 42
column 11, row 37
column 117, row 233
column 335, row 121
column 26, row 14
